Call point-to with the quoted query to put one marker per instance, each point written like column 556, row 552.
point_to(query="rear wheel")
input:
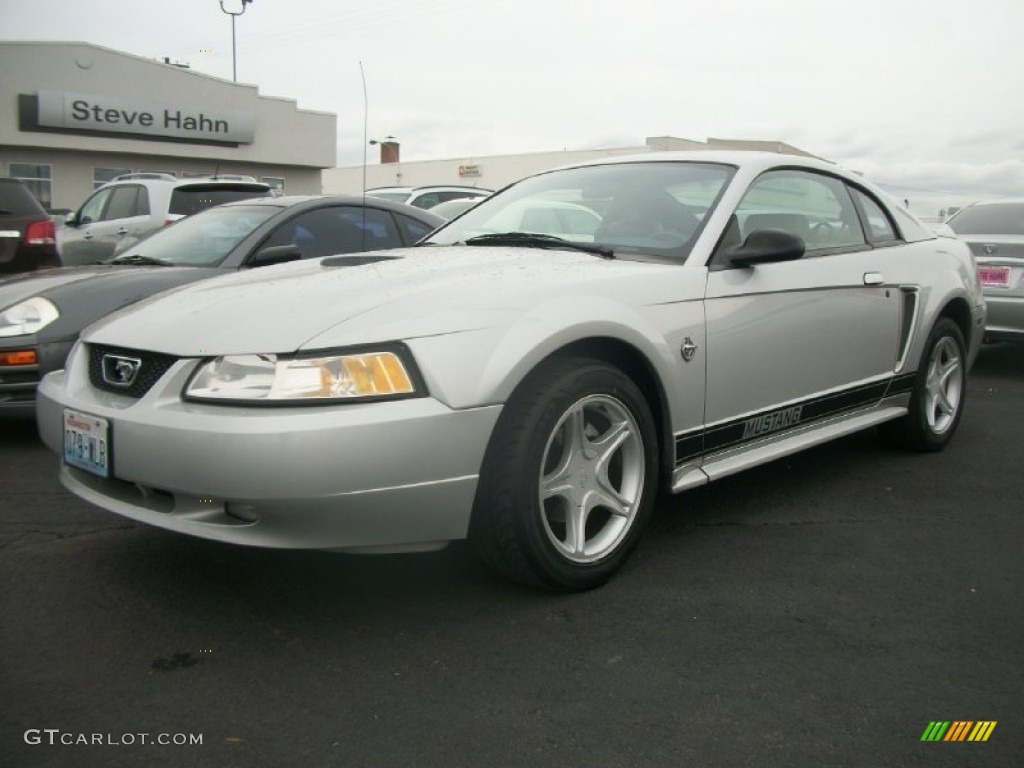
column 569, row 477
column 937, row 401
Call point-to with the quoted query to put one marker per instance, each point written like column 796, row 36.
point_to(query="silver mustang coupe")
column 534, row 389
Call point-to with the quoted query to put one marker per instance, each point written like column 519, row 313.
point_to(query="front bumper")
column 18, row 382
column 375, row 475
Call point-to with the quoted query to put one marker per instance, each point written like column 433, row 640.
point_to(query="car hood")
column 367, row 298
column 85, row 294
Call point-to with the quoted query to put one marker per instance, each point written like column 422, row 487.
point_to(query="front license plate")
column 87, row 442
column 994, row 277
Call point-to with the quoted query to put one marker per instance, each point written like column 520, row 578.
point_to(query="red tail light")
column 41, row 233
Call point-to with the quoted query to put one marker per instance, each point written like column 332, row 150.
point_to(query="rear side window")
column 16, row 200
column 880, row 228
column 196, row 197
column 414, row 230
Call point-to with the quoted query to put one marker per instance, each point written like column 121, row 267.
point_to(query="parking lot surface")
column 819, row 611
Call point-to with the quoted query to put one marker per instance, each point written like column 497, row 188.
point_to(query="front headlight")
column 336, row 377
column 28, row 316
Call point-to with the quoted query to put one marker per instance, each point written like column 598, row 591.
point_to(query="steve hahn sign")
column 85, row 112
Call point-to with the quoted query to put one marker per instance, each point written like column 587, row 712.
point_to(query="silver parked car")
column 530, row 391
column 994, row 230
column 127, row 209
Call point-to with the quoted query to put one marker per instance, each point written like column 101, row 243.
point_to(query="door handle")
column 87, row 236
column 873, row 278
column 122, row 231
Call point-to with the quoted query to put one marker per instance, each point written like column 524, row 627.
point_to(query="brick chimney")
column 389, row 151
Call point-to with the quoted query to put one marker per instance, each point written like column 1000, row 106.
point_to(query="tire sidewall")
column 594, row 378
column 926, row 437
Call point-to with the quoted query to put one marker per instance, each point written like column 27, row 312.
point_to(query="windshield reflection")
column 202, row 240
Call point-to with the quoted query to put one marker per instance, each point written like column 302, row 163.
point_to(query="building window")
column 276, row 183
column 38, row 178
column 101, row 176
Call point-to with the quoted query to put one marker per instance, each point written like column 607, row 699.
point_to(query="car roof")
column 752, row 159
column 290, row 201
column 995, row 201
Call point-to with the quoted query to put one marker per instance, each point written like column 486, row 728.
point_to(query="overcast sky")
column 924, row 97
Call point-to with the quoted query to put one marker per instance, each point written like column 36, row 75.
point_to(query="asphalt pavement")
column 819, row 611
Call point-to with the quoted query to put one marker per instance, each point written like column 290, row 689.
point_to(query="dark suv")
column 27, row 239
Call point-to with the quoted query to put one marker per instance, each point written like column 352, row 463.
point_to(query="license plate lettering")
column 994, row 277
column 87, row 443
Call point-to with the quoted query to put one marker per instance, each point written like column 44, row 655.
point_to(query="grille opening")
column 152, row 366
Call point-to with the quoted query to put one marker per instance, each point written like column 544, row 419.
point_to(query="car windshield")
column 989, row 219
column 202, row 240
column 653, row 208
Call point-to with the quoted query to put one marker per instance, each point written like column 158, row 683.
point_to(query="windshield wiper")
column 138, row 258
column 535, row 240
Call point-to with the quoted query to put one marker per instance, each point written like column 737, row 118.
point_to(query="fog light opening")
column 242, row 510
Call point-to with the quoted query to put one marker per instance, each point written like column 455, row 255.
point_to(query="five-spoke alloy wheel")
column 937, row 401
column 569, row 476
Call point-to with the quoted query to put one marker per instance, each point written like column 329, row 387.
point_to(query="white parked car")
column 426, row 197
column 529, row 390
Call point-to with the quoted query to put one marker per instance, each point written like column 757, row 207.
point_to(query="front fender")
column 483, row 367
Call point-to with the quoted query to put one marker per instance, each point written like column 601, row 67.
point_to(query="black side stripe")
column 701, row 442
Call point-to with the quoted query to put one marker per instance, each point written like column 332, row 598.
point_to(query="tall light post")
column 232, row 14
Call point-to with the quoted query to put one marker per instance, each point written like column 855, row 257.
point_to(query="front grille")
column 153, row 366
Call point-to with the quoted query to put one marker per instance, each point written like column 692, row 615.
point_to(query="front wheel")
column 937, row 401
column 569, row 477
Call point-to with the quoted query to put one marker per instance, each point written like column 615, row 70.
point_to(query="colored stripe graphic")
column 935, row 731
column 958, row 730
column 982, row 730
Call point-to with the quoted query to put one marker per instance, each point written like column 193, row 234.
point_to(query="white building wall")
column 496, row 171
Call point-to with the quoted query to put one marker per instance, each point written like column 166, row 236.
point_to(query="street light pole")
column 234, row 62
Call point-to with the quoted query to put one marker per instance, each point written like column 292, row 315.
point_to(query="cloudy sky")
column 924, row 98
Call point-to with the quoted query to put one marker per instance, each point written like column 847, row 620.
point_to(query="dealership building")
column 74, row 116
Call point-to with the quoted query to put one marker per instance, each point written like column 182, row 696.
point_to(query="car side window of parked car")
column 92, row 210
column 122, row 203
column 414, row 230
column 881, row 231
column 816, row 208
column 338, row 229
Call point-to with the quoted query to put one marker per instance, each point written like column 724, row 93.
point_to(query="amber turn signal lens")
column 21, row 357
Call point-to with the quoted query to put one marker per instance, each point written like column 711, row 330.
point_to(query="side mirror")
column 765, row 246
column 275, row 254
column 71, row 220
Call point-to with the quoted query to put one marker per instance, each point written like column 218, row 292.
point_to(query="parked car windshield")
column 989, row 219
column 655, row 208
column 202, row 240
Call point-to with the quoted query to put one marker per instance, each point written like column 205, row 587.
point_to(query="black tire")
column 940, row 387
column 534, row 541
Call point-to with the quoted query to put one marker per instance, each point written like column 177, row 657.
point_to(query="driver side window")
column 814, row 207
column 93, row 208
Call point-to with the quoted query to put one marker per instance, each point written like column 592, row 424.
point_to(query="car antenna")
column 366, row 119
